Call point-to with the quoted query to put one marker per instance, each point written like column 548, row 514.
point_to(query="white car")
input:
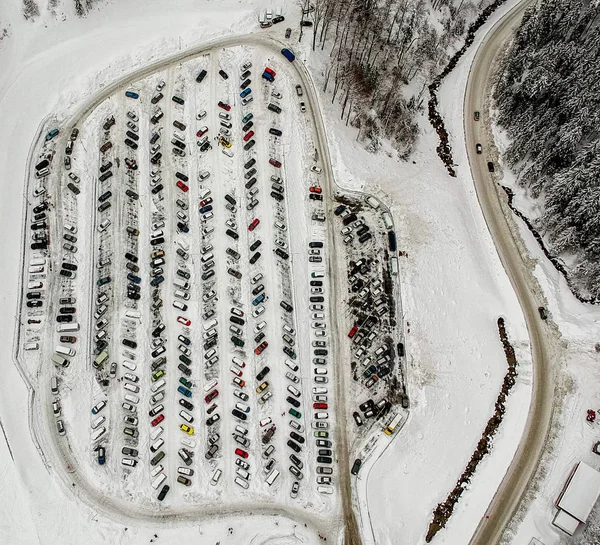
column 260, row 326
column 319, row 325
column 318, row 315
column 160, row 86
column 318, row 170
column 201, row 114
column 258, row 311
column 132, row 126
column 281, row 244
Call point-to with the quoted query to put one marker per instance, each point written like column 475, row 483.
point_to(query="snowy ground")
column 454, row 289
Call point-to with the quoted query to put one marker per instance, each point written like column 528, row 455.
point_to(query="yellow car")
column 187, row 429
column 262, row 387
column 224, row 142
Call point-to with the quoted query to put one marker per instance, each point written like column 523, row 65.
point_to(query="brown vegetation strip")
column 444, row 510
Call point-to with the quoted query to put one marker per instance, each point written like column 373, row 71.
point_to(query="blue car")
column 133, row 278
column 259, row 299
column 288, row 54
column 205, row 209
column 131, row 94
column 184, row 391
column 245, row 92
column 101, row 456
column 52, row 134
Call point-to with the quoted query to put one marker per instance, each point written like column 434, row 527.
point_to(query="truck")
column 391, row 427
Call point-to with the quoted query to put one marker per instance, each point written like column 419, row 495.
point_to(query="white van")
column 319, row 390
column 242, row 473
column 272, row 477
column 104, row 225
column 325, row 489
column 216, row 476
column 37, row 261
column 129, row 365
column 210, row 385
column 35, row 286
column 158, row 385
column 204, row 193
column 98, row 433
column 291, row 365
column 210, row 324
column 132, row 399
column 60, row 361
column 181, row 284
column 131, row 387
column 98, row 421
column 63, row 328
column 31, row 346
column 156, row 433
column 65, row 351
column 237, row 480
column 159, row 480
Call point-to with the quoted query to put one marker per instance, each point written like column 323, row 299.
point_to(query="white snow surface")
column 454, row 289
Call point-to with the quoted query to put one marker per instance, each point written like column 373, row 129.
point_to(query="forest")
column 548, row 101
column 382, row 57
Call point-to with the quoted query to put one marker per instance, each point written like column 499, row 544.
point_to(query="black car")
column 255, row 258
column 293, row 401
column 245, row 84
column 294, row 446
column 155, row 159
column 129, row 343
column 250, row 163
column 263, row 373
column 178, row 100
column 315, row 244
column 183, row 273
column 250, row 183
column 156, row 98
column 184, row 369
column 249, row 145
column 184, row 359
column 62, row 319
column 247, row 126
column 296, row 461
column 186, row 404
column 356, row 466
column 239, row 414
column 157, row 189
column 40, row 208
column 276, row 132
column 237, row 320
column 34, row 295
column 201, row 76
column 223, row 74
column 279, row 197
column 129, row 451
column 296, row 437
column 158, row 330
column 163, row 492
column 132, row 194
column 490, row 166
column 131, row 143
column 278, row 19
column 34, row 304
column 286, row 306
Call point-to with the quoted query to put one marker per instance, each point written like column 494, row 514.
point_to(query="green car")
column 237, row 342
column 321, row 434
column 295, row 413
column 157, row 375
column 287, row 350
column 103, row 281
column 185, row 382
column 247, row 118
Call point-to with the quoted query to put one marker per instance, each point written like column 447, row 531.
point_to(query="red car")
column 211, row 396
column 203, row 203
column 261, row 347
column 241, row 453
column 226, row 107
column 182, row 186
column 275, row 163
column 158, row 420
column 202, row 131
column 315, row 189
column 183, row 320
column 353, row 331
column 270, row 71
column 319, row 405
column 248, row 136
column 253, row 225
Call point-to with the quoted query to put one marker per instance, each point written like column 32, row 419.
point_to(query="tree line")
column 382, row 56
column 548, row 102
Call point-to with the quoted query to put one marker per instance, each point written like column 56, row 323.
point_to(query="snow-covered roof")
column 581, row 492
column 565, row 522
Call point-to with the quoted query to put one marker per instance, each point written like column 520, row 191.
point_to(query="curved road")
column 525, row 462
column 119, row 509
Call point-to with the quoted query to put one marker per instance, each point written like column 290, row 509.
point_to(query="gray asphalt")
column 493, row 205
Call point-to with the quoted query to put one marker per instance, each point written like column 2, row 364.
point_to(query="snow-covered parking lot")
column 174, row 342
